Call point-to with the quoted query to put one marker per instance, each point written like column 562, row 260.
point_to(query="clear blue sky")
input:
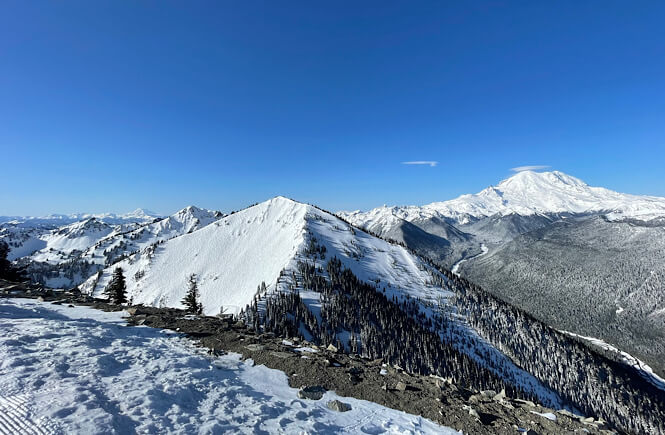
column 113, row 105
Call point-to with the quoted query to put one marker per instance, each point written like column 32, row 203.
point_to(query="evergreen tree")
column 117, row 289
column 7, row 270
column 191, row 299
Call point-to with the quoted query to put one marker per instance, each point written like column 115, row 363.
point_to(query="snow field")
column 78, row 370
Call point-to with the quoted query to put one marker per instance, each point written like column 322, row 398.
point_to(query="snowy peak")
column 527, row 180
column 528, row 193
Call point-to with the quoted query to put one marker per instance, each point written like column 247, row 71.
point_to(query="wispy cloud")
column 529, row 168
column 431, row 163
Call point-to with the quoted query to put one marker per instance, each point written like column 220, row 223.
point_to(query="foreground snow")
column 79, row 370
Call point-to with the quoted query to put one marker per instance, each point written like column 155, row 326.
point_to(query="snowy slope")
column 231, row 257
column 23, row 239
column 123, row 242
column 78, row 370
column 78, row 236
column 234, row 255
column 525, row 193
column 68, row 255
column 62, row 234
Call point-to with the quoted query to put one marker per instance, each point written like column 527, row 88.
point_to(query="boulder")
column 401, row 386
column 332, row 348
column 336, row 405
column 314, row 392
column 500, row 395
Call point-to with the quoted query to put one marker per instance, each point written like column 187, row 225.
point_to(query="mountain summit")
column 527, row 193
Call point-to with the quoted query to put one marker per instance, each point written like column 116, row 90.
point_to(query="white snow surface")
column 78, row 370
column 525, row 193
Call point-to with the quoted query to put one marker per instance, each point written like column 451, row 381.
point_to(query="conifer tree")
column 117, row 288
column 191, row 299
column 7, row 270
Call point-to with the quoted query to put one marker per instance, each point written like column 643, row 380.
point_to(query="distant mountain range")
column 136, row 216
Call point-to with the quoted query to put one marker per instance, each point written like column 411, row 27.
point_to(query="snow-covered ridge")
column 525, row 193
column 234, row 255
column 137, row 216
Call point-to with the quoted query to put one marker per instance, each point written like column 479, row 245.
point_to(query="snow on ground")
column 78, row 370
column 642, row 368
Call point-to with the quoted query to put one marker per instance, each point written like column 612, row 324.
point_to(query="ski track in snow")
column 78, row 370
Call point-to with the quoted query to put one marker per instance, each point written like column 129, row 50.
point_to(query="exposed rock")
column 500, row 395
column 314, row 392
column 488, row 393
column 282, row 354
column 336, row 405
column 255, row 347
column 525, row 403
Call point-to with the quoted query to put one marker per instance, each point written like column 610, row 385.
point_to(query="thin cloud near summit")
column 431, row 163
column 529, row 168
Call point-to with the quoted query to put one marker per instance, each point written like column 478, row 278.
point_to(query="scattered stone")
column 332, row 348
column 336, row 405
column 282, row 355
column 500, row 396
column 488, row 393
column 472, row 412
column 401, row 386
column 568, row 414
column 526, row 403
column 314, row 392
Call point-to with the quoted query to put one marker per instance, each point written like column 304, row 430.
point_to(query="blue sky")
column 110, row 106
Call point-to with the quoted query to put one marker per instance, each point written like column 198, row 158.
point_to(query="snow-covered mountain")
column 232, row 257
column 137, row 216
column 237, row 253
column 525, row 193
column 66, row 256
column 313, row 264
